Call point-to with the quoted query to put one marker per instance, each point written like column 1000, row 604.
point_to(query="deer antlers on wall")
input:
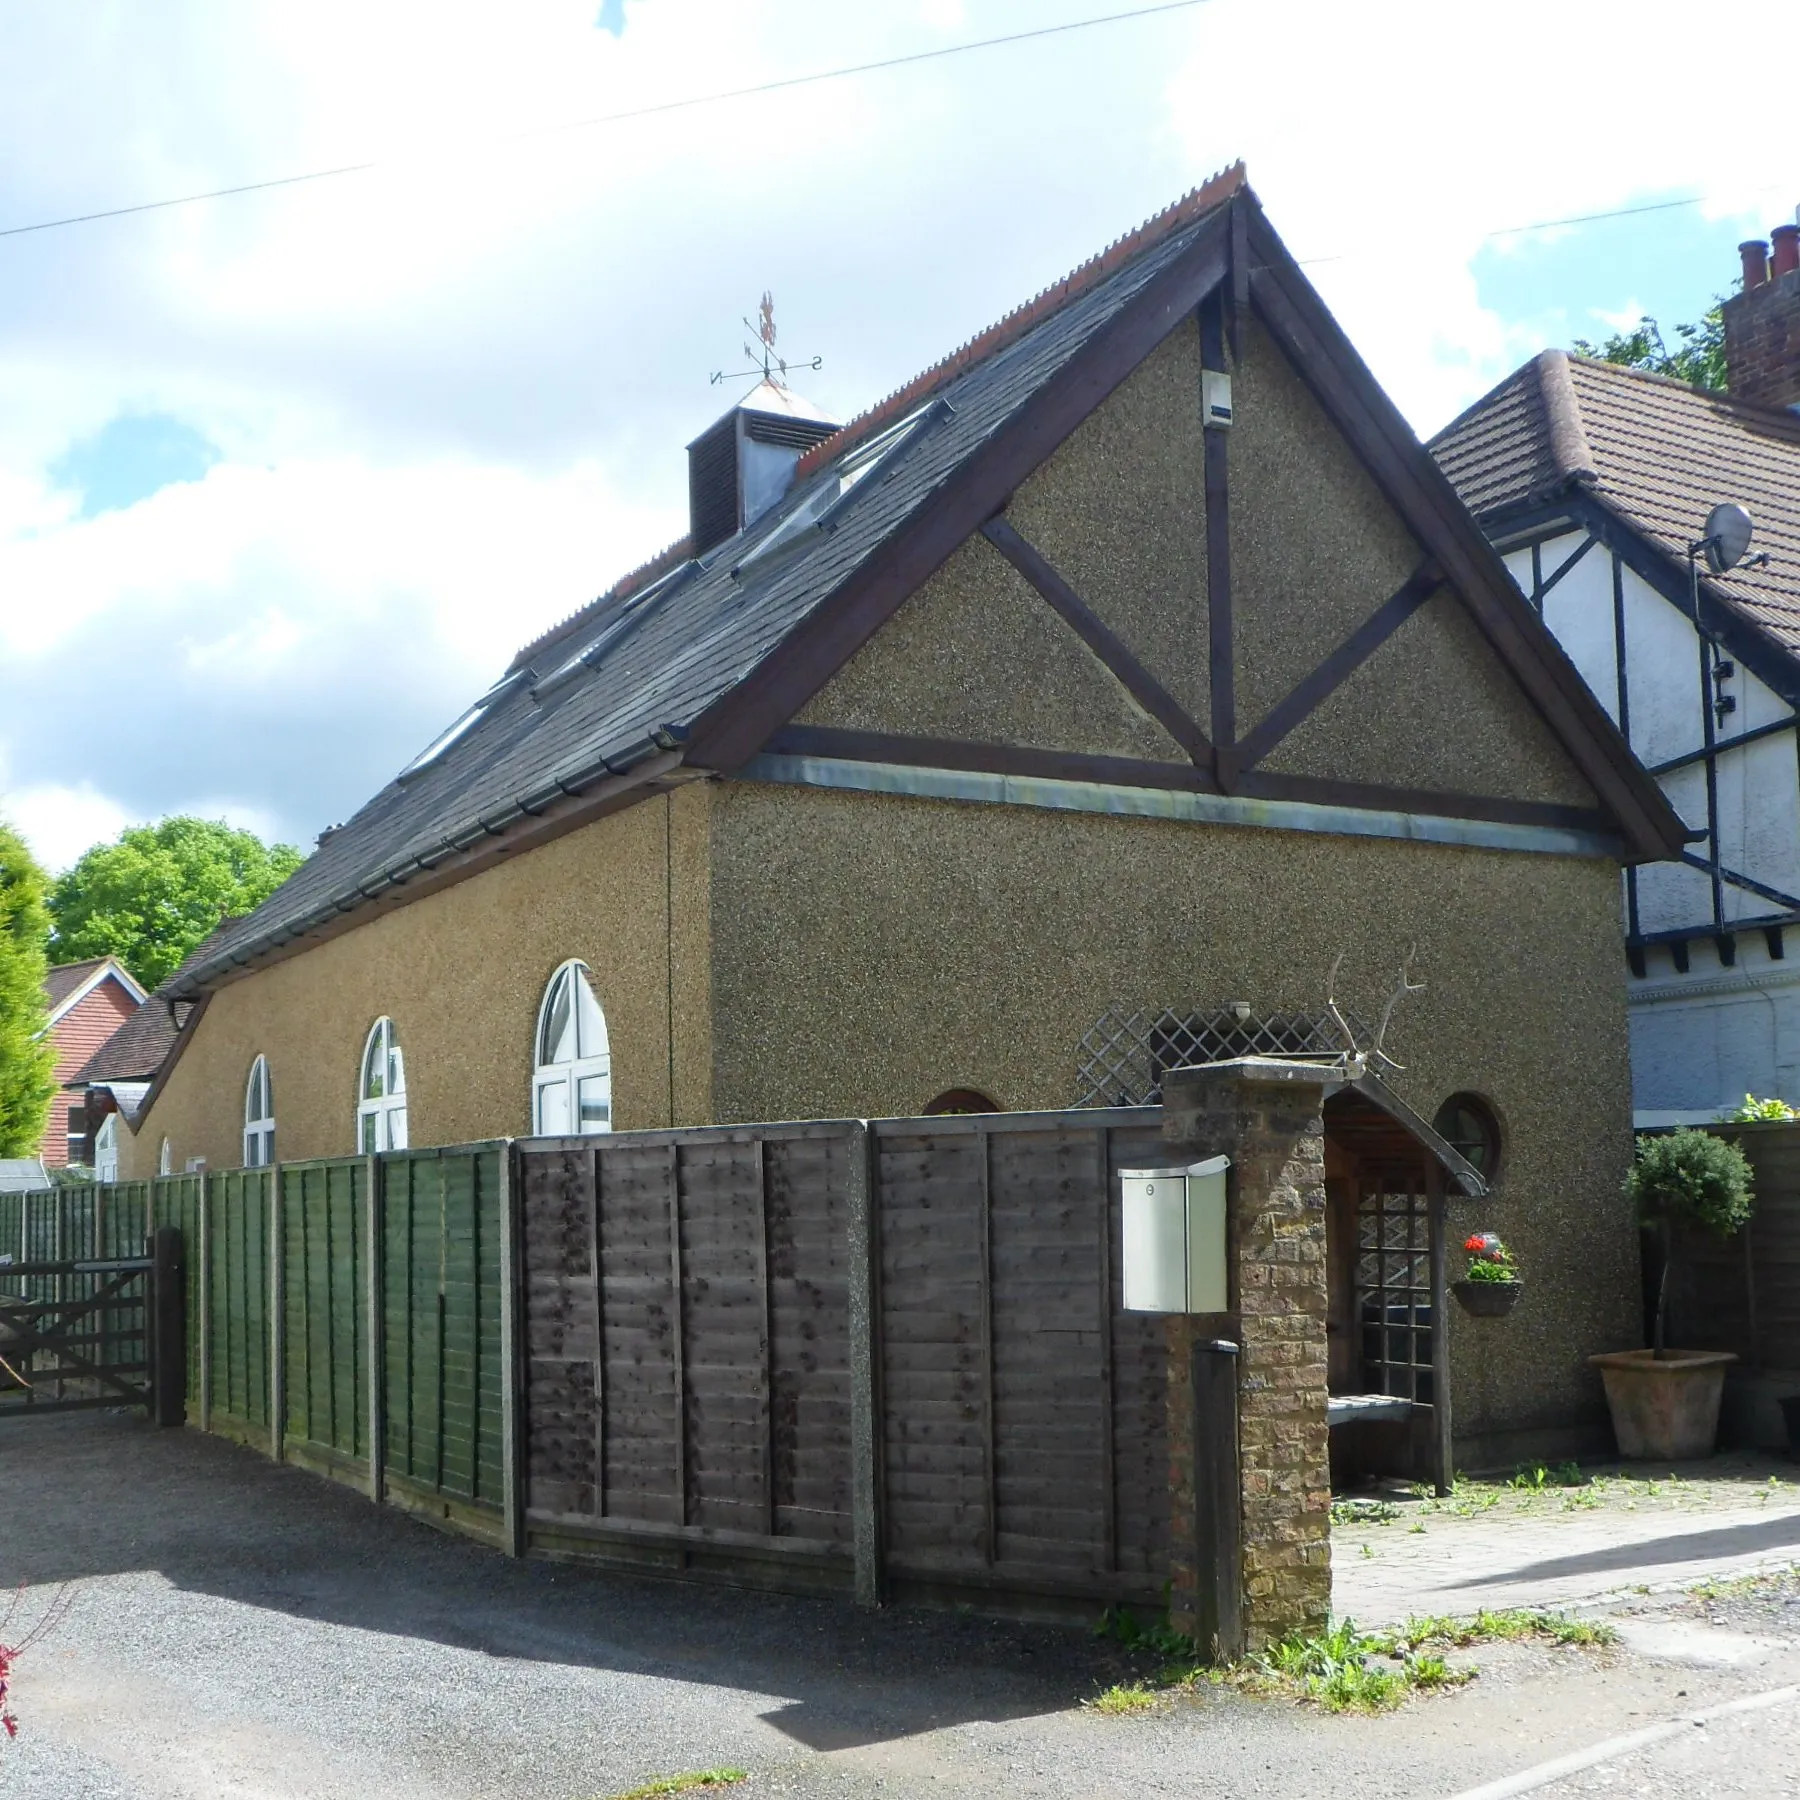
column 1372, row 1051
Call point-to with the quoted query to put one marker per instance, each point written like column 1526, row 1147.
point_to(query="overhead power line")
column 686, row 104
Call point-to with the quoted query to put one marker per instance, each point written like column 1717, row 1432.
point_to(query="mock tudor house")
column 1596, row 484
column 88, row 1002
column 1134, row 662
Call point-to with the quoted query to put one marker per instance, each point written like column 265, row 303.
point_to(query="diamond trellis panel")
column 1122, row 1056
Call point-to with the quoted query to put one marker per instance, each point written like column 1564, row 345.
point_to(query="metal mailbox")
column 1174, row 1238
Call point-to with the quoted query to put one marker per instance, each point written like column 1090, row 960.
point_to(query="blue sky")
column 298, row 470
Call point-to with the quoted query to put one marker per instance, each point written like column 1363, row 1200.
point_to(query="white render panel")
column 1700, row 1042
column 1759, row 822
column 1579, row 613
column 1662, row 667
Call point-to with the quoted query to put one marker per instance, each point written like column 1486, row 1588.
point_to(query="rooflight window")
column 463, row 725
column 818, row 506
column 627, row 618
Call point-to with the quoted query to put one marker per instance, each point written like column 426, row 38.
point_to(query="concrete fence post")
column 1267, row 1116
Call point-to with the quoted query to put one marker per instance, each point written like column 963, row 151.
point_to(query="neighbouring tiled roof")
column 1658, row 453
column 671, row 652
column 65, row 978
column 135, row 1051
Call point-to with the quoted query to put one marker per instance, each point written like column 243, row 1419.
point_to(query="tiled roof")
column 1658, row 453
column 135, row 1051
column 661, row 655
column 65, row 978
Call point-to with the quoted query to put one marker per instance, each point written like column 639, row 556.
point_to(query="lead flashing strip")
column 1158, row 803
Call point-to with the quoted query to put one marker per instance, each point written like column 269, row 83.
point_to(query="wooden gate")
column 94, row 1331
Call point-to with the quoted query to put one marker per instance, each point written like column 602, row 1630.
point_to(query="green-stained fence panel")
column 325, row 1222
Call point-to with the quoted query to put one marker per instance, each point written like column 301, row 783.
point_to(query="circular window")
column 1467, row 1124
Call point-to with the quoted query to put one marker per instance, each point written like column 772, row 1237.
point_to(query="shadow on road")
column 96, row 1494
column 1705, row 1545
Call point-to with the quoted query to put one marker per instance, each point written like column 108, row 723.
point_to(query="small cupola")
column 742, row 465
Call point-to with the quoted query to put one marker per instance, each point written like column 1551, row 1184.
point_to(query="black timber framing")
column 1719, row 626
column 1099, row 637
column 1413, row 484
column 731, row 731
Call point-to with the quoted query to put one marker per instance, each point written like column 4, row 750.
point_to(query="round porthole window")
column 959, row 1100
column 1467, row 1124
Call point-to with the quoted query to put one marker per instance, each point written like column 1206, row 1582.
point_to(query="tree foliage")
column 1698, row 358
column 152, row 896
column 27, row 1057
column 1691, row 1178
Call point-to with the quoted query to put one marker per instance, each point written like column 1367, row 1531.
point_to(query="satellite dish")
column 1727, row 537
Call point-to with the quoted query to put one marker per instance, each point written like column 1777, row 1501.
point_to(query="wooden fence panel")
column 562, row 1336
column 937, row 1438
column 807, row 1180
column 324, row 1223
column 640, row 1300
column 1743, row 1293
column 441, row 1321
column 238, row 1303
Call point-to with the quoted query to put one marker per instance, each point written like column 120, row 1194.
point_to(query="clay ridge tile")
column 1021, row 319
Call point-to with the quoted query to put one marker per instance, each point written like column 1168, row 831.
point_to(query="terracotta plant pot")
column 1488, row 1299
column 1667, row 1410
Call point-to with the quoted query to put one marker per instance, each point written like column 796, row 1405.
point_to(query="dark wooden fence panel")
column 1743, row 1293
column 807, row 1180
column 1024, row 1412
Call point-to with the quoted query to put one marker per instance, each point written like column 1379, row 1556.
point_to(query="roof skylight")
column 836, row 486
column 464, row 725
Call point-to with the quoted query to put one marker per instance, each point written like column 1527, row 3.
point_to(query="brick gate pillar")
column 1266, row 1115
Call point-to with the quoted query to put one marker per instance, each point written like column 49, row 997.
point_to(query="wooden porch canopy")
column 1366, row 1117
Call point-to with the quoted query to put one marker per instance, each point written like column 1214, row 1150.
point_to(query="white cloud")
column 58, row 823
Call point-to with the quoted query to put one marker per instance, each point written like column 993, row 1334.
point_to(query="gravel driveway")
column 239, row 1629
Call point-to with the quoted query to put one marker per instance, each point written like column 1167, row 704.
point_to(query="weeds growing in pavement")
column 1735, row 1587
column 1127, row 1697
column 1364, row 1512
column 701, row 1781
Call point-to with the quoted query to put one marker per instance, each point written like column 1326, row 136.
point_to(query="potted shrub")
column 1665, row 1403
column 1490, row 1287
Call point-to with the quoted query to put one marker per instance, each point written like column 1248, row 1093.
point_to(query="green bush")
column 1691, row 1178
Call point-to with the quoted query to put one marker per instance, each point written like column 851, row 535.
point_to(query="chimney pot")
column 1787, row 250
column 1756, row 262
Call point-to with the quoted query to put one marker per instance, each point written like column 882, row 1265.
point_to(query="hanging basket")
column 1488, row 1299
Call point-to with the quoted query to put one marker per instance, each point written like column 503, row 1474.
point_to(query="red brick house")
column 89, row 1001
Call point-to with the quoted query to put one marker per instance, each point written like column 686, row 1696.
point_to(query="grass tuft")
column 1123, row 1699
column 699, row 1781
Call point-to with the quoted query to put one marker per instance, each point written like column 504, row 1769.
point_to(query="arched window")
column 165, row 1158
column 571, row 1081
column 959, row 1100
column 1467, row 1124
column 381, row 1099
column 106, row 1149
column 259, row 1117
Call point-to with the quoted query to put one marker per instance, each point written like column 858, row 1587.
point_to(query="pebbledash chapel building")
column 1067, row 716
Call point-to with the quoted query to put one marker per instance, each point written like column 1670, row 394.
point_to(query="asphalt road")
column 238, row 1629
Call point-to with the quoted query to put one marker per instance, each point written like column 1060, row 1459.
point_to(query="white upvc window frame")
column 106, row 1149
column 165, row 1159
column 259, row 1116
column 381, row 1091
column 571, row 1094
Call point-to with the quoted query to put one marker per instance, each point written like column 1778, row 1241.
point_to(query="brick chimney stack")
column 1762, row 322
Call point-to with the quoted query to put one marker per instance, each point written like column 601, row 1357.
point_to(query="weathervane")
column 765, row 365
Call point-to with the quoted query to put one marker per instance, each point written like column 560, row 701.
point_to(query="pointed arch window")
column 165, row 1158
column 259, row 1117
column 571, row 1082
column 381, row 1099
